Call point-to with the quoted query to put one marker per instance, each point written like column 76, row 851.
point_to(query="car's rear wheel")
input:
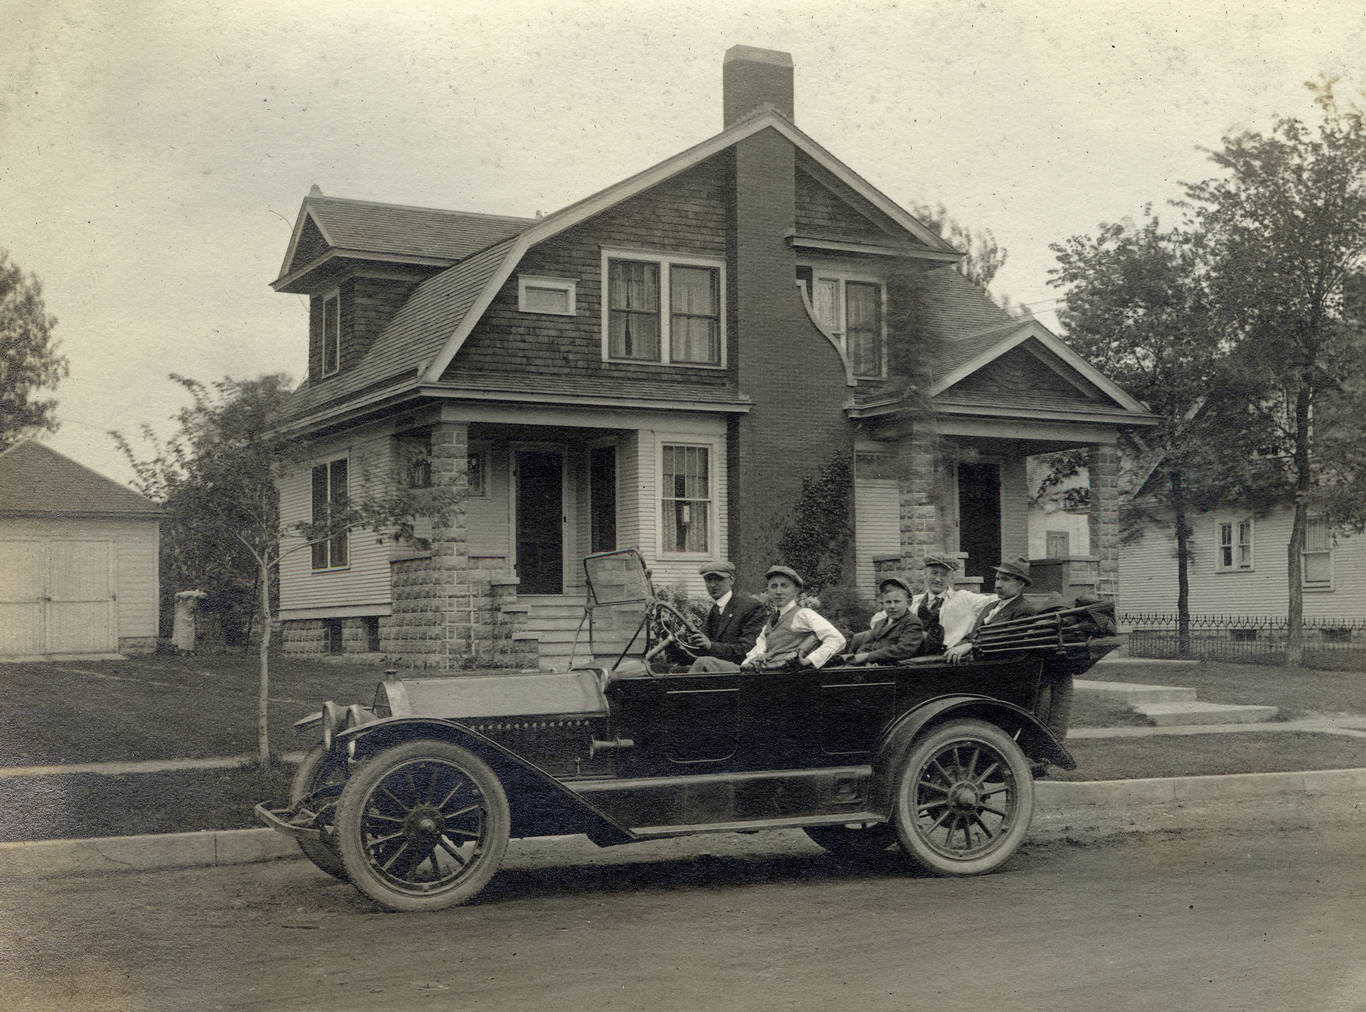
column 321, row 771
column 423, row 825
column 855, row 841
column 964, row 798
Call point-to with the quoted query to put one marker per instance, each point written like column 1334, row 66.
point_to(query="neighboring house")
column 1238, row 566
column 659, row 365
column 78, row 559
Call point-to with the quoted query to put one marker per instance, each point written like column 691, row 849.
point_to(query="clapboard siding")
column 1147, row 572
column 1014, row 509
column 365, row 581
column 136, row 579
column 877, row 527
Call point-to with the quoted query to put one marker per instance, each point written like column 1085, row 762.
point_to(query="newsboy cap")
column 1015, row 567
column 894, row 581
column 943, row 561
column 723, row 567
column 787, row 571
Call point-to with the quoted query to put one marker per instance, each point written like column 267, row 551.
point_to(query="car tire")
column 320, row 769
column 854, row 841
column 422, row 826
column 964, row 798
column 1053, row 705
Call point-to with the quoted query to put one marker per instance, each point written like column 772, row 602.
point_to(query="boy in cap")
column 895, row 633
column 735, row 619
column 785, row 638
column 1012, row 577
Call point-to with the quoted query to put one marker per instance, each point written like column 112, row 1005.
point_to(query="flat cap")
column 894, row 581
column 787, row 571
column 941, row 560
column 722, row 567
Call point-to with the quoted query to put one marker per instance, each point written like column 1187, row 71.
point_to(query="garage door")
column 57, row 597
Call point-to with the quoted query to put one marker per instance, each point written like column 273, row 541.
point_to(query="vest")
column 782, row 643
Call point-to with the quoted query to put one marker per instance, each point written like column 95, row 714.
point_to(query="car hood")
column 519, row 694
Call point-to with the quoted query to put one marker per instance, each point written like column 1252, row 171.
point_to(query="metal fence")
column 1338, row 644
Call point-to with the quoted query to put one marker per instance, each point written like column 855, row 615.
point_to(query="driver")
column 735, row 620
column 785, row 638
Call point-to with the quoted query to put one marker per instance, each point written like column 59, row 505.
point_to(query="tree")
column 1286, row 229
column 29, row 361
column 1135, row 305
column 984, row 257
column 217, row 477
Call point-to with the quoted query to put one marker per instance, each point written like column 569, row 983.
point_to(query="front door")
column 979, row 517
column 540, row 521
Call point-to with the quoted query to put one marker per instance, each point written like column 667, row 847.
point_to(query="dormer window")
column 331, row 333
column 849, row 307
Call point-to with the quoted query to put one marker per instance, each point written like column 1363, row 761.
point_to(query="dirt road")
column 1256, row 910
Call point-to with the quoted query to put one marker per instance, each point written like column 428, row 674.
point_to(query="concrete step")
column 1134, row 692
column 1174, row 714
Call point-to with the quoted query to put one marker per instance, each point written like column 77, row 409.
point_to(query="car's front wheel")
column 964, row 798
column 422, row 825
column 320, row 771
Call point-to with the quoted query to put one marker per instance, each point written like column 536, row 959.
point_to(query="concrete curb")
column 1055, row 799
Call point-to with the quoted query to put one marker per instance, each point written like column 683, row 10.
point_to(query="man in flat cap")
column 1012, row 577
column 735, row 619
column 895, row 633
column 794, row 636
column 946, row 613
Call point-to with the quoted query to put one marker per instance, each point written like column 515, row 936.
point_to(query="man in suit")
column 895, row 633
column 735, row 620
column 1012, row 578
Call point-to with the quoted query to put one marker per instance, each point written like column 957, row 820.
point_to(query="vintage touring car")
column 414, row 798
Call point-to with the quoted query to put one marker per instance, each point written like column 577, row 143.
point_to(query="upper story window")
column 1317, row 571
column 329, row 495
column 636, row 326
column 555, row 296
column 331, row 333
column 850, row 307
column 1235, row 545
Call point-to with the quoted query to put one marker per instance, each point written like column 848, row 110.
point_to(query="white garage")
column 78, row 559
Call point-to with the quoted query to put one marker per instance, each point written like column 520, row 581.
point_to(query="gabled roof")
column 37, row 480
column 436, row 320
column 365, row 229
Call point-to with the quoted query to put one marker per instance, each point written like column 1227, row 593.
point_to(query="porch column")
column 920, row 480
column 458, row 600
column 1102, row 464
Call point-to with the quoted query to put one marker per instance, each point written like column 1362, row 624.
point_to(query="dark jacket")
column 888, row 642
column 1017, row 608
column 733, row 631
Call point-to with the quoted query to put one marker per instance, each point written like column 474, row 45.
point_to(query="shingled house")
column 659, row 365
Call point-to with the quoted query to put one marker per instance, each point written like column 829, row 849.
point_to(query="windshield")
column 619, row 591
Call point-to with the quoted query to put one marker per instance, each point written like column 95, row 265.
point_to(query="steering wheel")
column 675, row 629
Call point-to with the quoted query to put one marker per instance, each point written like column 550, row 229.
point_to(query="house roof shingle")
column 37, row 480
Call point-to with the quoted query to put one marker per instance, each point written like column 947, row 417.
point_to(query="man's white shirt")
column 958, row 612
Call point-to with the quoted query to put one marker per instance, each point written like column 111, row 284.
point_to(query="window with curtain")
column 851, row 310
column 633, row 316
column 1318, row 555
column 664, row 309
column 1235, row 545
column 695, row 315
column 685, row 503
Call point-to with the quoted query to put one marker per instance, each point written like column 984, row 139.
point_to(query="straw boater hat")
column 787, row 571
column 894, row 581
column 722, row 568
column 1016, row 567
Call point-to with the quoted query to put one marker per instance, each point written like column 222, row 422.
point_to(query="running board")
column 753, row 825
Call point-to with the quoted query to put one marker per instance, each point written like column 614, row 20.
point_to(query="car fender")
column 896, row 740
column 541, row 805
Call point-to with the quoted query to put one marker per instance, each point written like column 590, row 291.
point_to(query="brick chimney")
column 752, row 78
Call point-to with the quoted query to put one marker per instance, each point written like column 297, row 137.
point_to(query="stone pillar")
column 1102, row 464
column 923, row 521
column 453, row 585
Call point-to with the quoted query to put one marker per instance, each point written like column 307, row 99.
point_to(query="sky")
column 154, row 155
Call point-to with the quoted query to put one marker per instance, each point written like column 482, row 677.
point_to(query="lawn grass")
column 1189, row 755
column 163, row 707
column 88, row 804
column 1295, row 692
